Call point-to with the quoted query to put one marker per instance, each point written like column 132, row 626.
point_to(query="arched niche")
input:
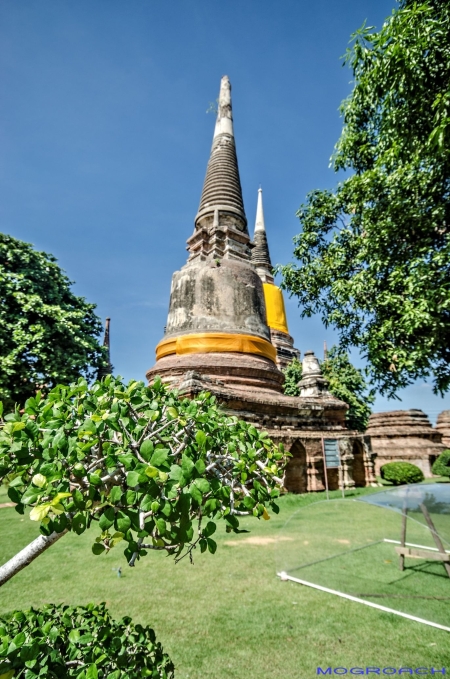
column 296, row 477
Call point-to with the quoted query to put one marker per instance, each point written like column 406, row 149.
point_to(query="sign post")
column 331, row 460
column 325, row 470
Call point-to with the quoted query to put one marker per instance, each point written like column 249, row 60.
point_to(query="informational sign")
column 331, row 450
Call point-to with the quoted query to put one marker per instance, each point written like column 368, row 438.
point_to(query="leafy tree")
column 292, row 376
column 374, row 254
column 48, row 335
column 344, row 381
column 348, row 384
column 150, row 471
column 78, row 641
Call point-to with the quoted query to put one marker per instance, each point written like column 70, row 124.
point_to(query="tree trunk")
column 27, row 555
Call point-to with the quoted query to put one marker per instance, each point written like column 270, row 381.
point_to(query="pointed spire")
column 224, row 122
column 260, row 253
column 106, row 370
column 222, row 187
column 325, row 351
column 259, row 223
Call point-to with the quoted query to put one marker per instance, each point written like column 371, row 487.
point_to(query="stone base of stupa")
column 250, row 388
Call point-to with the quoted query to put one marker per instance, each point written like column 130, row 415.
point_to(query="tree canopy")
column 373, row 257
column 48, row 335
column 345, row 382
column 147, row 469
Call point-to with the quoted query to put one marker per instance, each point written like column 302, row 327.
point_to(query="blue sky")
column 105, row 138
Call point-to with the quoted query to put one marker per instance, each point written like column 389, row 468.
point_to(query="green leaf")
column 175, row 472
column 161, row 526
column 146, row 450
column 18, row 481
column 195, row 493
column 133, row 479
column 209, row 529
column 200, row 437
column 186, row 466
column 200, row 466
column 202, row 485
column 39, row 480
column 107, row 518
column 115, row 494
column 74, row 635
column 151, row 472
column 123, row 522
column 212, row 545
column 30, row 495
column 79, row 523
column 78, row 499
column 116, row 538
column 159, row 457
column 39, row 512
column 98, row 548
column 14, row 495
column 92, row 672
column 19, row 639
column 173, row 412
column 95, row 479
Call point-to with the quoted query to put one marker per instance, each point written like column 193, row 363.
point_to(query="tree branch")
column 27, row 555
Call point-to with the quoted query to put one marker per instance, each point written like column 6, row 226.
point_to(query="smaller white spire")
column 259, row 224
column 224, row 122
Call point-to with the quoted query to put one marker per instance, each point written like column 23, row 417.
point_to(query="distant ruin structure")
column 227, row 332
column 443, row 427
column 404, row 435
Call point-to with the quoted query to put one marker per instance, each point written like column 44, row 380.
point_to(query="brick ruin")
column 443, row 427
column 407, row 436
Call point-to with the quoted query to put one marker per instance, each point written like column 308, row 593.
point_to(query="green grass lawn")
column 228, row 615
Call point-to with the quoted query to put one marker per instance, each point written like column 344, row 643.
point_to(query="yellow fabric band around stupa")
column 215, row 342
column 275, row 311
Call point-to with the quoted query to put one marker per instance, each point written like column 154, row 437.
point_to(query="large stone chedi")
column 218, row 338
column 217, row 314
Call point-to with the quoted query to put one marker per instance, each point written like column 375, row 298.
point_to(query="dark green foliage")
column 344, row 381
column 48, row 335
column 373, row 257
column 78, row 641
column 348, row 384
column 149, row 470
column 441, row 466
column 399, row 473
column 292, row 376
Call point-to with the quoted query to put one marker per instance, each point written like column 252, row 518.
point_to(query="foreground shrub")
column 149, row 470
column 78, row 641
column 399, row 473
column 441, row 466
